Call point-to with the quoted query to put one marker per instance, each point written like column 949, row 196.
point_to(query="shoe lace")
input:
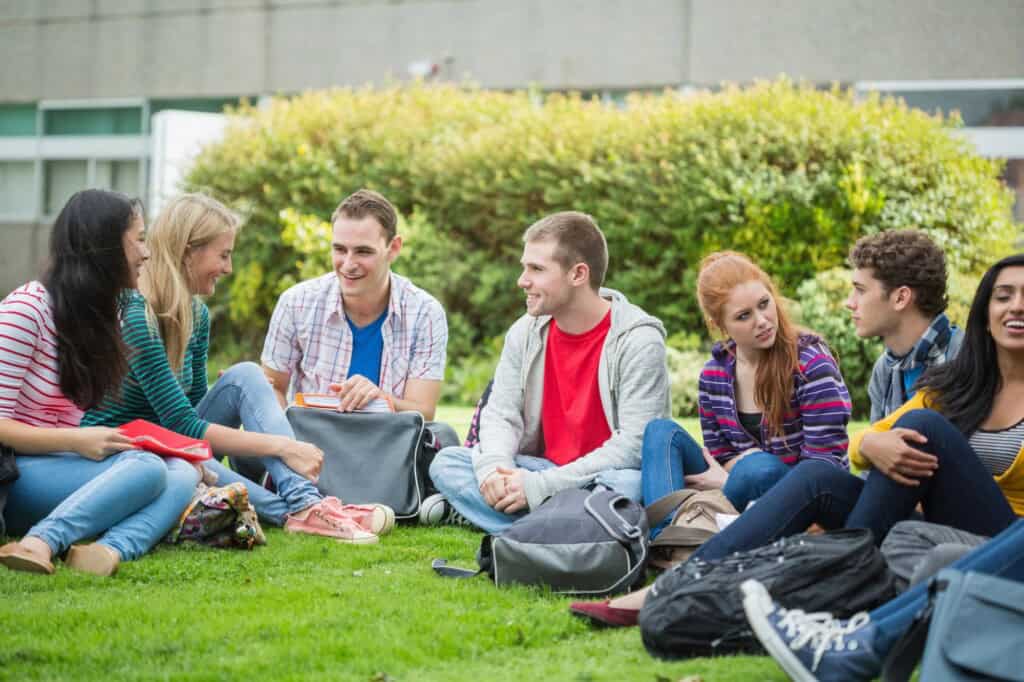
column 454, row 518
column 821, row 631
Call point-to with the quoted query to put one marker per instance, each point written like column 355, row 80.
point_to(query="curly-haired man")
column 899, row 295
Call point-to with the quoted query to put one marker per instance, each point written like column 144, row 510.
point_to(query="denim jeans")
column 130, row 500
column 1001, row 556
column 961, row 493
column 669, row 454
column 243, row 397
column 453, row 474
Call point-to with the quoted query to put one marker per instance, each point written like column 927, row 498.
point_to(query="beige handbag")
column 692, row 525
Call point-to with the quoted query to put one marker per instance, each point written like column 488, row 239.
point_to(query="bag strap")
column 664, row 506
column 484, row 557
column 905, row 654
column 678, row 536
column 631, row 535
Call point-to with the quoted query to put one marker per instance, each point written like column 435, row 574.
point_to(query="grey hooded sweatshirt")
column 634, row 386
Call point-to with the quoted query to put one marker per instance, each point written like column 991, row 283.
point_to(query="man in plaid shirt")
column 361, row 331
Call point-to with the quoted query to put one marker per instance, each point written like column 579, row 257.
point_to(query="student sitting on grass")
column 60, row 352
column 167, row 329
column 898, row 295
column 581, row 374
column 961, row 442
column 770, row 396
column 361, row 332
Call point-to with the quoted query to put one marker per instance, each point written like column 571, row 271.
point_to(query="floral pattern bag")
column 220, row 517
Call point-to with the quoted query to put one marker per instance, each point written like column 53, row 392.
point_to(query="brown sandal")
column 93, row 558
column 17, row 557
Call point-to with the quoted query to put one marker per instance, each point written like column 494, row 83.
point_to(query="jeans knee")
column 659, row 428
column 245, row 373
column 149, row 471
column 448, row 461
column 757, row 468
column 922, row 420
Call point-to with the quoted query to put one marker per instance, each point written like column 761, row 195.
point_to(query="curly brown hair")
column 907, row 258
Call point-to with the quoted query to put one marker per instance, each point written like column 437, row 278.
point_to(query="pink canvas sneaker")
column 316, row 520
column 378, row 519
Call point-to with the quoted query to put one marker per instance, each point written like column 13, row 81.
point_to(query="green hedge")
column 789, row 174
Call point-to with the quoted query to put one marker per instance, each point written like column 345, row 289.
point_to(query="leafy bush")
column 684, row 368
column 789, row 174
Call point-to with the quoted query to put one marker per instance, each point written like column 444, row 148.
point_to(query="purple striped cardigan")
column 814, row 427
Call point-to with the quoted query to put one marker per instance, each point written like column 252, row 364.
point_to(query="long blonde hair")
column 186, row 223
column 720, row 273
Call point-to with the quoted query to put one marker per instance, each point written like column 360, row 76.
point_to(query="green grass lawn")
column 306, row 608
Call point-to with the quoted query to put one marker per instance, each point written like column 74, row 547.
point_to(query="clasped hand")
column 503, row 490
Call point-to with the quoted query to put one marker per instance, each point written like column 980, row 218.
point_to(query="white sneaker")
column 433, row 510
column 436, row 511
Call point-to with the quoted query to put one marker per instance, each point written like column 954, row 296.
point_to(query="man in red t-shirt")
column 580, row 375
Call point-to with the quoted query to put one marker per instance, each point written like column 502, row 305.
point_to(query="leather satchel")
column 370, row 457
column 693, row 524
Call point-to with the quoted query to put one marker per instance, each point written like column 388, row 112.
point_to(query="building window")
column 17, row 120
column 99, row 121
column 120, row 176
column 17, row 189
column 62, row 179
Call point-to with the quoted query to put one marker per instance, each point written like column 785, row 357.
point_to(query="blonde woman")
column 167, row 327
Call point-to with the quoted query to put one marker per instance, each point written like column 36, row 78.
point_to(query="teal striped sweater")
column 151, row 390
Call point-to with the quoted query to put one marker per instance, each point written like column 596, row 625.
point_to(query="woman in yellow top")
column 955, row 448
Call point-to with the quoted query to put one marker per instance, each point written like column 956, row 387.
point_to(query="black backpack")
column 696, row 608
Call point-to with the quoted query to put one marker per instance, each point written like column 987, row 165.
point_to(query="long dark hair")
column 964, row 388
column 86, row 277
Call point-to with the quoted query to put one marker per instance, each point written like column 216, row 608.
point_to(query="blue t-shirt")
column 909, row 377
column 367, row 349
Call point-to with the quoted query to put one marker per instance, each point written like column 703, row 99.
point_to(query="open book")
column 164, row 442
column 332, row 401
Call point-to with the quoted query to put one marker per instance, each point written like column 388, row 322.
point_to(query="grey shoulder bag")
column 369, row 457
column 577, row 542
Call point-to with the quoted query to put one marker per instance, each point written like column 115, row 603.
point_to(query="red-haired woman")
column 770, row 396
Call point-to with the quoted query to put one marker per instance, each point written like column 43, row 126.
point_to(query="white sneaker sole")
column 433, row 511
column 757, row 604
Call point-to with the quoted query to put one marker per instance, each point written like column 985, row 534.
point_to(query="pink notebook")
column 164, row 442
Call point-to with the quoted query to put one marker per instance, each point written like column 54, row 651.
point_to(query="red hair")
column 720, row 273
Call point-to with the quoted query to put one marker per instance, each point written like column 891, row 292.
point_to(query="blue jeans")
column 961, row 493
column 243, row 397
column 130, row 500
column 669, row 454
column 453, row 474
column 1001, row 556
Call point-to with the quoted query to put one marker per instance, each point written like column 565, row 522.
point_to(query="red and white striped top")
column 29, row 376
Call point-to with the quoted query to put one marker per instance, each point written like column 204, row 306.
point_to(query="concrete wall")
column 186, row 48
column 107, row 48
column 22, row 253
column 853, row 40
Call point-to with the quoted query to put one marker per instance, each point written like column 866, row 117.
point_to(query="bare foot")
column 633, row 601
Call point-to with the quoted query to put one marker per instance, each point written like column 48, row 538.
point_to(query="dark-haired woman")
column 60, row 353
column 957, row 449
